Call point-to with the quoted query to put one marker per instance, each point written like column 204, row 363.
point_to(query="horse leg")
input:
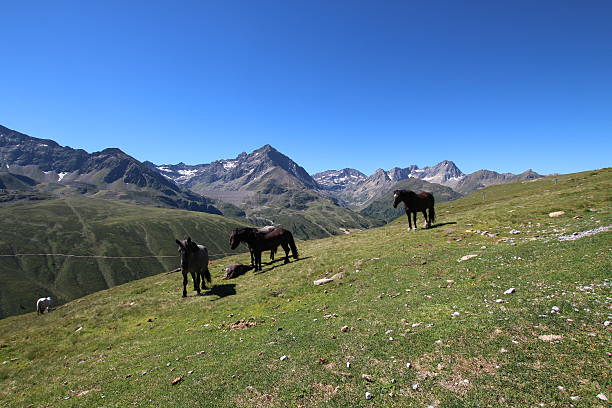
column 195, row 276
column 252, row 257
column 198, row 278
column 272, row 252
column 257, row 260
column 426, row 224
column 409, row 221
column 184, row 283
column 414, row 219
column 286, row 249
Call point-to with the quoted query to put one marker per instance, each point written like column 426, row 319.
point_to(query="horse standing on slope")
column 259, row 242
column 194, row 259
column 414, row 202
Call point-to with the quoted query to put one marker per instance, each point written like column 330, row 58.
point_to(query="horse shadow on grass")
column 277, row 263
column 442, row 224
column 226, row 289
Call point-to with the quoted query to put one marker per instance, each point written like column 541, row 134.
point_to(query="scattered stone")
column 283, row 358
column 348, row 364
column 602, row 397
column 499, row 300
column 344, row 329
column 337, row 276
column 369, row 395
column 243, row 324
column 176, row 380
column 550, row 337
column 514, row 232
column 190, row 372
column 606, row 323
column 574, row 397
column 509, row 291
column 455, row 314
column 579, row 235
column 415, row 386
column 366, row 377
column 555, row 309
column 556, row 214
column 322, row 281
column 466, row 257
column 577, row 217
column 408, row 365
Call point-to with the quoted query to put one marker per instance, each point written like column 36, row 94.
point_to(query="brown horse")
column 416, row 202
column 261, row 241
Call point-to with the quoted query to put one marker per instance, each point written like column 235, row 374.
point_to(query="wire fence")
column 221, row 255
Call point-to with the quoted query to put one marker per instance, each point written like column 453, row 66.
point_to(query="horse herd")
column 195, row 259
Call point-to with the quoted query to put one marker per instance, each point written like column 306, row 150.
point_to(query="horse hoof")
column 184, row 295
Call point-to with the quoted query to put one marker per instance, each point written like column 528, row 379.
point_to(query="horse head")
column 241, row 235
column 186, row 247
column 397, row 195
column 407, row 196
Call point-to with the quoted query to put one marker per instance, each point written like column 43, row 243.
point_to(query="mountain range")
column 262, row 187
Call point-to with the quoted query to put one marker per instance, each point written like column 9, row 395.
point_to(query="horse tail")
column 294, row 249
column 207, row 275
column 432, row 212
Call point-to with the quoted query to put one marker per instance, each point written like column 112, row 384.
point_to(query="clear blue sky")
column 503, row 85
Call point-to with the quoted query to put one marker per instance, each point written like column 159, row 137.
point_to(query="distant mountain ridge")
column 358, row 194
column 110, row 173
column 272, row 189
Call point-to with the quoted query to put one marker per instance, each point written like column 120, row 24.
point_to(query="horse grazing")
column 42, row 305
column 262, row 241
column 414, row 202
column 265, row 230
column 194, row 259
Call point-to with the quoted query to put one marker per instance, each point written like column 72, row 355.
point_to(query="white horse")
column 43, row 304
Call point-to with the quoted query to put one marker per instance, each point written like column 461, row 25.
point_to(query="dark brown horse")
column 414, row 202
column 194, row 260
column 261, row 241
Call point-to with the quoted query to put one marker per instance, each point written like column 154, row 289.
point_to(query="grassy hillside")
column 406, row 322
column 85, row 226
column 382, row 209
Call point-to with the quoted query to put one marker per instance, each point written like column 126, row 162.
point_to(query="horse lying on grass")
column 414, row 202
column 194, row 259
column 234, row 270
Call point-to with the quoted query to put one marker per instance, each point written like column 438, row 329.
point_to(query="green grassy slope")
column 422, row 327
column 86, row 226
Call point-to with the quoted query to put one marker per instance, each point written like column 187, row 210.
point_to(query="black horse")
column 414, row 202
column 260, row 241
column 194, row 260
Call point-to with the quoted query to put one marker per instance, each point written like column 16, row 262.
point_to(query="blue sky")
column 502, row 85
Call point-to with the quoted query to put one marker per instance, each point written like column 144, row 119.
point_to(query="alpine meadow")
column 499, row 305
column 306, row 204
